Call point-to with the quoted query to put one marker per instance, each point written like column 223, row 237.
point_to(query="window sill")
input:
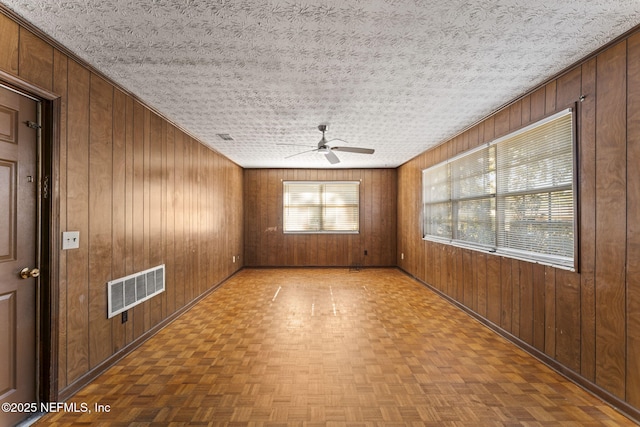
column 556, row 262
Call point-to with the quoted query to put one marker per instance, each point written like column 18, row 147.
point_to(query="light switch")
column 70, row 240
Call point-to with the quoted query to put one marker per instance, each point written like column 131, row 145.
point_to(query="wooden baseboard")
column 84, row 380
column 352, row 266
column 615, row 402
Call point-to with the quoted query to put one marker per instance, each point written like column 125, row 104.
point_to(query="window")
column 321, row 207
column 514, row 196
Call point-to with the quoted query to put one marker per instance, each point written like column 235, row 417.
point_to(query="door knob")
column 27, row 272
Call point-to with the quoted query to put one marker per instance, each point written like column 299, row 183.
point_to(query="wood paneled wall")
column 588, row 321
column 140, row 192
column 266, row 244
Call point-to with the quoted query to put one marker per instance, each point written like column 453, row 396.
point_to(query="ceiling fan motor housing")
column 327, row 150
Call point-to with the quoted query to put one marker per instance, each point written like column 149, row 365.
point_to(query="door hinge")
column 45, row 187
column 33, row 125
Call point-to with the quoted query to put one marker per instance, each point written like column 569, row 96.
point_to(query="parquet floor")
column 331, row 347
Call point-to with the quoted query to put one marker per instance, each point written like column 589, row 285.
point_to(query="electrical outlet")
column 234, row 259
column 402, row 255
column 365, row 252
column 125, row 316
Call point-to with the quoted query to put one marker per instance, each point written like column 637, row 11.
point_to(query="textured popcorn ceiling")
column 398, row 76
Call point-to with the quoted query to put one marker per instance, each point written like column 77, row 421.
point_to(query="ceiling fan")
column 328, row 150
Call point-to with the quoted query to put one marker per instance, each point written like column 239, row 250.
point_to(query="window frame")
column 569, row 263
column 322, row 206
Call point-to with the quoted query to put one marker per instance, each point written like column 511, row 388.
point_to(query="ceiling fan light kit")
column 328, row 150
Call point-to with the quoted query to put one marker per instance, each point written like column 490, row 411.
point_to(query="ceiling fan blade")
column 354, row 150
column 302, row 152
column 333, row 159
column 295, row 145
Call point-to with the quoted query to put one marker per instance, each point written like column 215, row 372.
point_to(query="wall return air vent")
column 129, row 291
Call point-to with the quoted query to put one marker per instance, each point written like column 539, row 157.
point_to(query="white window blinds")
column 473, row 196
column 515, row 196
column 321, row 207
column 535, row 187
column 437, row 196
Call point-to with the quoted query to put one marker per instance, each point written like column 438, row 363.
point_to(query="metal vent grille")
column 225, row 136
column 129, row 291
